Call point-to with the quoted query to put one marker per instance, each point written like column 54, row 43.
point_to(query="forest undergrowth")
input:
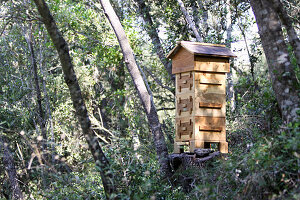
column 262, row 163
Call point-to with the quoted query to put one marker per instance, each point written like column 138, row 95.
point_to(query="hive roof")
column 204, row 49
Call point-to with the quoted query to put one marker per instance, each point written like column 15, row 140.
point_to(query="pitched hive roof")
column 204, row 49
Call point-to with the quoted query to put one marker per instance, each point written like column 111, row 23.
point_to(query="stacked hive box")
column 200, row 94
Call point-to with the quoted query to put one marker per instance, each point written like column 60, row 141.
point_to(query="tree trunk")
column 47, row 102
column 204, row 18
column 288, row 23
column 146, row 98
column 249, row 54
column 189, row 21
column 40, row 117
column 247, row 49
column 76, row 96
column 151, row 28
column 196, row 11
column 230, row 86
column 10, row 168
column 282, row 74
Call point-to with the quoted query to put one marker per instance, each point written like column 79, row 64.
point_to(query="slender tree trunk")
column 248, row 52
column 151, row 28
column 252, row 63
column 10, row 168
column 230, row 85
column 204, row 18
column 189, row 21
column 146, row 98
column 250, row 57
column 288, row 23
column 284, row 81
column 47, row 102
column 40, row 118
column 76, row 96
column 196, row 11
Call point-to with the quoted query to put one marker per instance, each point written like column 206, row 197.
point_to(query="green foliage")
column 84, row 185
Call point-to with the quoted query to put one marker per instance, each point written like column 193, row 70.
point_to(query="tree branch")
column 159, row 82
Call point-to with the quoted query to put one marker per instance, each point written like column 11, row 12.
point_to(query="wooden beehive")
column 200, row 71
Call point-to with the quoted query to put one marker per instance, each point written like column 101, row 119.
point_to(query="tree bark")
column 284, row 81
column 196, row 11
column 151, row 28
column 230, row 85
column 189, row 21
column 76, row 96
column 204, row 18
column 146, row 98
column 288, row 23
column 10, row 168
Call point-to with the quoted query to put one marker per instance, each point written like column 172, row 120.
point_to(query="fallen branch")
column 188, row 160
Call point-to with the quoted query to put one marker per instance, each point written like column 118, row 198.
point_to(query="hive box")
column 200, row 71
column 200, row 94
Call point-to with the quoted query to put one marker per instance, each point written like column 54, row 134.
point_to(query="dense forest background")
column 82, row 118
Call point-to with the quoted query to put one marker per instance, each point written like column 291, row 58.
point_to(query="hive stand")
column 200, row 71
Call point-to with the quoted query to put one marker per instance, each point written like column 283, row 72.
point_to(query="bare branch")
column 159, row 81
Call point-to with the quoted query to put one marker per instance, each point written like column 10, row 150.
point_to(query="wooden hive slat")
column 190, row 81
column 211, row 136
column 205, row 89
column 209, row 123
column 210, row 78
column 187, row 106
column 211, row 64
column 195, row 127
